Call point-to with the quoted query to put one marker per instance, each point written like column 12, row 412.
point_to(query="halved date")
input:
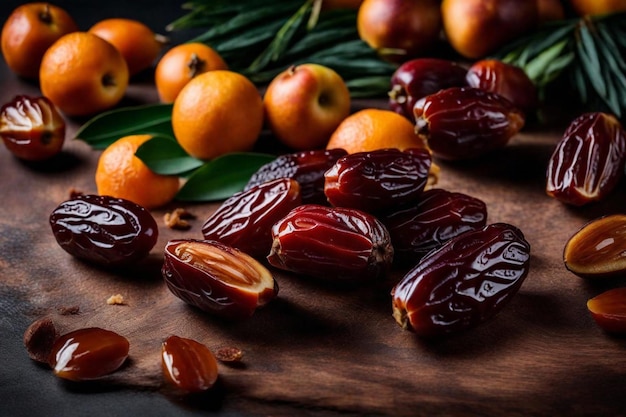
column 245, row 220
column 217, row 278
column 188, row 365
column 378, row 180
column 588, row 161
column 331, row 243
column 608, row 310
column 464, row 283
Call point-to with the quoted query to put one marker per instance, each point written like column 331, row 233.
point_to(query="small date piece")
column 188, row 365
column 464, row 283
column 608, row 310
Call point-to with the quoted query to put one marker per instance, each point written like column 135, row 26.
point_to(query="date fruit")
column 463, row 122
column 378, row 180
column 420, row 77
column 32, row 128
column 609, row 310
column 245, row 220
column 188, row 365
column 464, row 283
column 331, row 243
column 588, row 161
column 104, row 230
column 217, row 278
column 88, row 353
column 39, row 338
column 306, row 167
column 439, row 216
column 597, row 249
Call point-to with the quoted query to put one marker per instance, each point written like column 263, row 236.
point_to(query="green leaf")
column 221, row 177
column 107, row 127
column 164, row 155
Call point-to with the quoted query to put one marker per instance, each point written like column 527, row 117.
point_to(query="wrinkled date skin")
column 608, row 310
column 420, row 77
column 306, row 167
column 588, row 161
column 439, row 216
column 597, row 249
column 331, row 243
column 104, row 230
column 464, row 283
column 188, row 365
column 378, row 180
column 245, row 220
column 217, row 278
column 463, row 123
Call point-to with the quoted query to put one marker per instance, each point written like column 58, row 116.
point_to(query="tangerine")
column 182, row 63
column 83, row 74
column 28, row 33
column 217, row 112
column 137, row 43
column 121, row 174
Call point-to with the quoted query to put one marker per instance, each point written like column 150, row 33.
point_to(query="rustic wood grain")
column 319, row 350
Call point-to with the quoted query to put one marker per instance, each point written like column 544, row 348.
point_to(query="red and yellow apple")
column 304, row 105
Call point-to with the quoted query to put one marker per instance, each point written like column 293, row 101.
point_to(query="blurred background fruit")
column 82, row 74
column 182, row 63
column 550, row 10
column 28, row 33
column 217, row 112
column 597, row 7
column 121, row 174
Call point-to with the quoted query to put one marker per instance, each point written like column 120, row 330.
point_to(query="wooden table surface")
column 316, row 350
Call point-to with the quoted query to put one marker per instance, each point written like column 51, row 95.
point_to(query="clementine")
column 28, row 33
column 182, row 63
column 120, row 173
column 83, row 74
column 217, row 112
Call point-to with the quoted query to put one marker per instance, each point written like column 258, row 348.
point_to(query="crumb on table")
column 116, row 299
column 177, row 219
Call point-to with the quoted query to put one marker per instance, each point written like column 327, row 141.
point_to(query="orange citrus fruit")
column 121, row 174
column 28, row 33
column 182, row 63
column 370, row 129
column 137, row 43
column 83, row 74
column 217, row 112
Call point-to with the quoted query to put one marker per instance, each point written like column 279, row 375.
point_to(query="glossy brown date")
column 462, row 122
column 306, row 167
column 588, row 161
column 464, row 283
column 104, row 230
column 378, row 180
column 245, row 220
column 88, row 353
column 217, row 278
column 608, row 310
column 188, row 365
column 438, row 216
column 331, row 243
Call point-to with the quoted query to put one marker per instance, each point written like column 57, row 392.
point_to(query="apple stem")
column 195, row 65
column 108, row 80
column 291, row 69
column 45, row 16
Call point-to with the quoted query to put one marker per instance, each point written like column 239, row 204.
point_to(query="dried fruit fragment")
column 331, row 243
column 32, row 128
column 462, row 122
column 438, row 216
column 597, row 249
column 244, row 221
column 306, row 167
column 609, row 310
column 377, row 180
column 104, row 230
column 217, row 278
column 88, row 353
column 39, row 338
column 188, row 365
column 464, row 283
column 588, row 161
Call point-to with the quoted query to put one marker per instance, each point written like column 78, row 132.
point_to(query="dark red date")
column 104, row 230
column 439, row 216
column 588, row 161
column 464, row 283
column 245, row 220
column 378, row 180
column 462, row 122
column 331, row 243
